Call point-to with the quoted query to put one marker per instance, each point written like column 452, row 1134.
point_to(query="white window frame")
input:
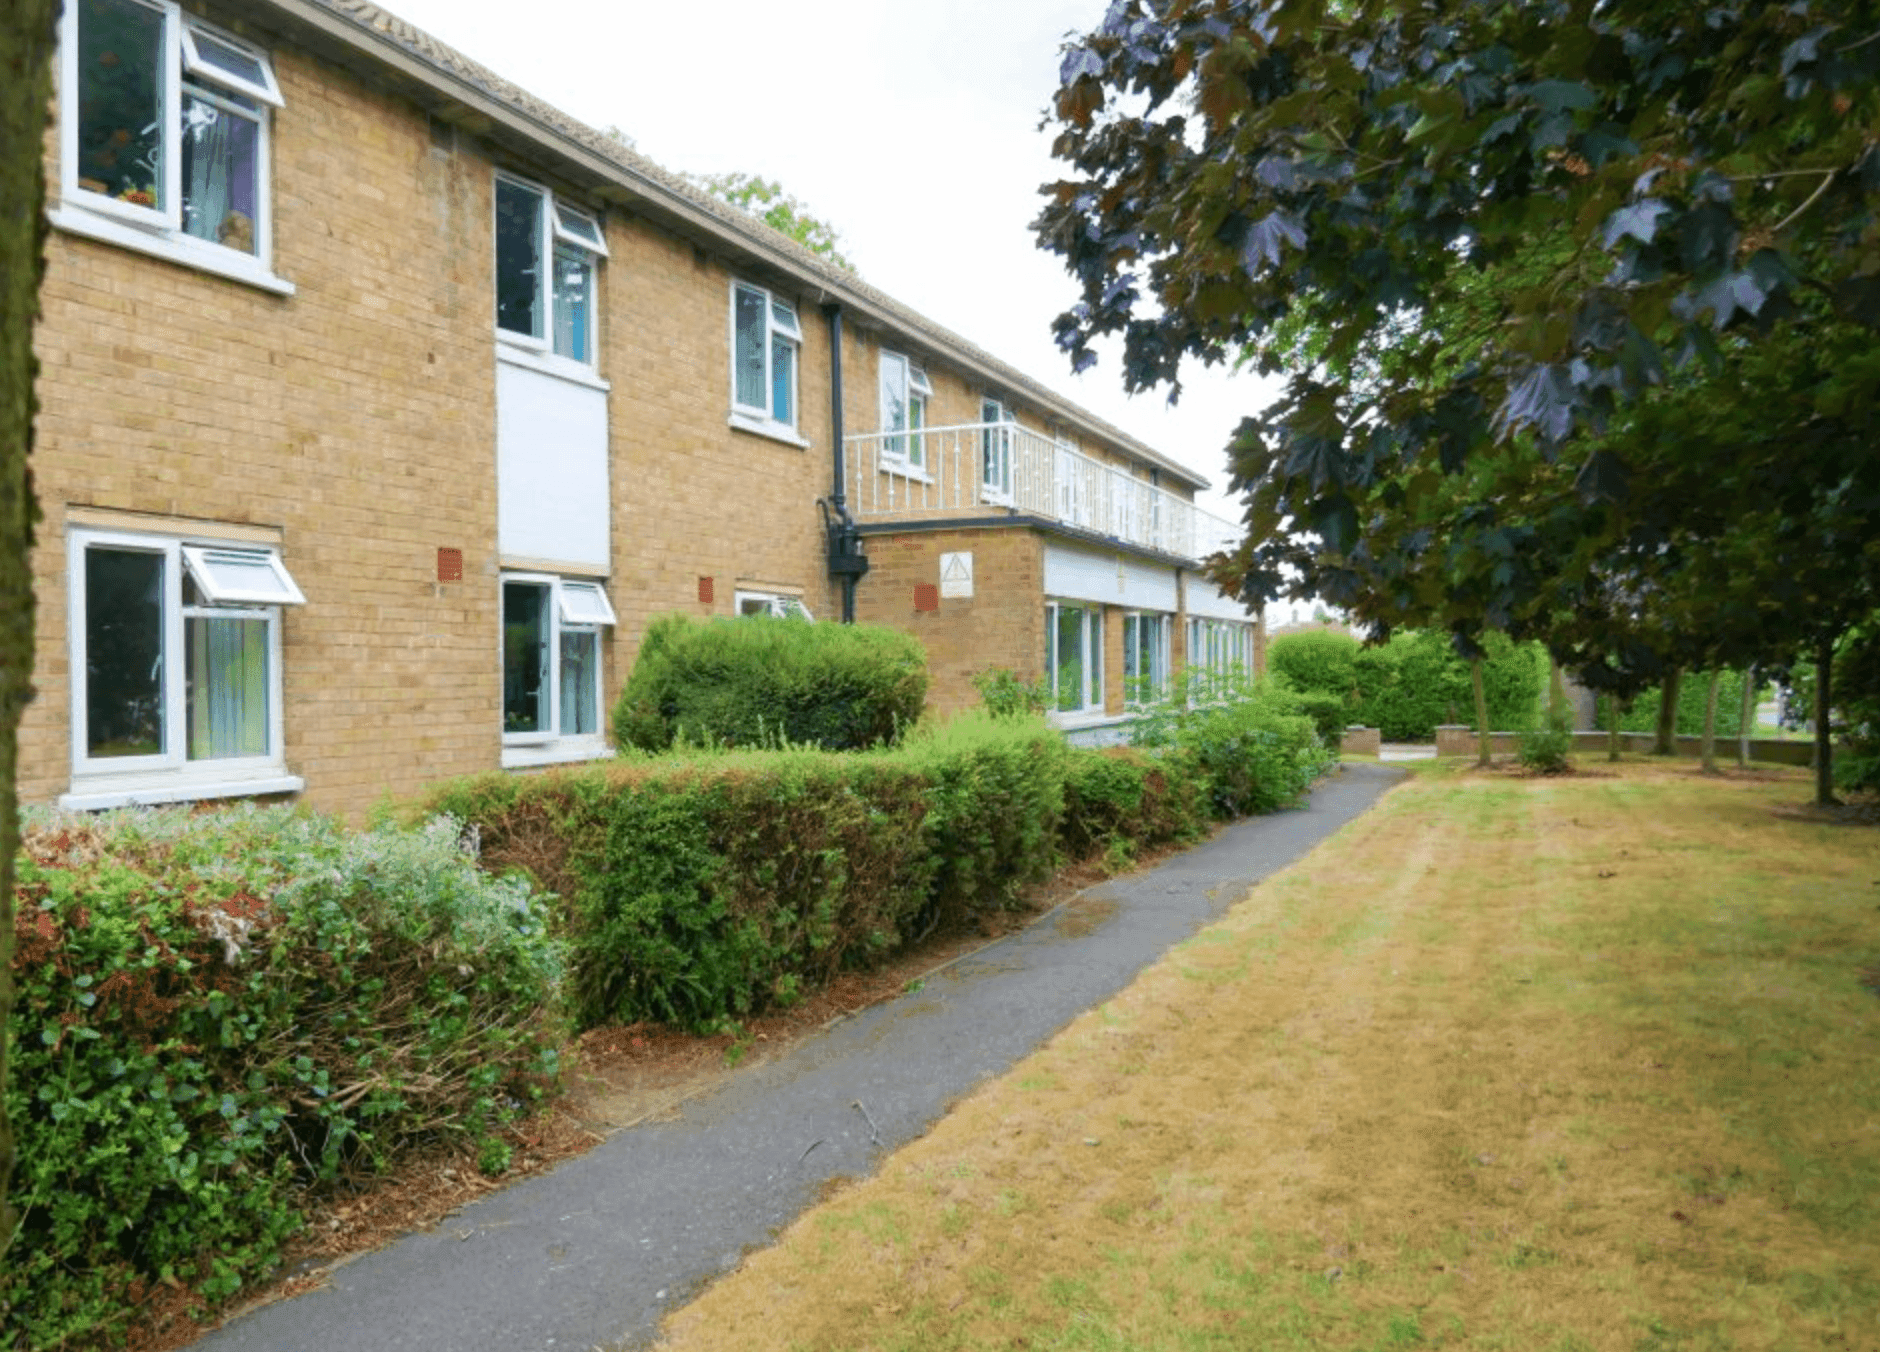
column 170, row 775
column 998, row 446
column 578, row 606
column 1157, row 687
column 1218, row 651
column 761, row 418
column 904, row 447
column 779, row 605
column 158, row 230
column 559, row 225
column 1090, row 694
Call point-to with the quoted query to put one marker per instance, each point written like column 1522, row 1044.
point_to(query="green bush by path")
column 761, row 682
column 1246, row 755
column 1408, row 686
column 1322, row 661
column 216, row 1011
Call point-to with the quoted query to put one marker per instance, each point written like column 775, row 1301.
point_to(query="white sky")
column 911, row 128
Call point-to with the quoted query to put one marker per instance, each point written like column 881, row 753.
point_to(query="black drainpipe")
column 847, row 562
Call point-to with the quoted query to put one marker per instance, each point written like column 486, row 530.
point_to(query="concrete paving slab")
column 596, row 1252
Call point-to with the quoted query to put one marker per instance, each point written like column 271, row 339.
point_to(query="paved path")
column 595, row 1252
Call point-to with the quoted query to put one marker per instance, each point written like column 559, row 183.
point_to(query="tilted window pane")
column 518, row 259
column 783, row 381
column 574, row 315
column 120, row 101
column 748, row 355
column 210, row 57
column 123, row 653
column 525, row 657
column 221, row 173
column 584, row 603
column 226, row 680
column 580, row 682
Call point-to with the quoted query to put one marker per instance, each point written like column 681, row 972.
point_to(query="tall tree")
column 26, row 46
column 1704, row 181
column 765, row 199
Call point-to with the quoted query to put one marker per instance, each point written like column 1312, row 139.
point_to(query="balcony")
column 981, row 470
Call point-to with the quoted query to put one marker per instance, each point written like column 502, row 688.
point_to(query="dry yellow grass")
column 1534, row 1064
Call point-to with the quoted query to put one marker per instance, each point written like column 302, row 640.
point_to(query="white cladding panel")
column 552, row 501
column 1117, row 580
column 1206, row 601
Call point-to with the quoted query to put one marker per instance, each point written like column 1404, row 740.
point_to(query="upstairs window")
column 996, row 450
column 904, row 394
column 765, row 338
column 546, row 254
column 165, row 124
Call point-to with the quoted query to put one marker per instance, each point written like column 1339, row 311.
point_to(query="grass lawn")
column 1508, row 1063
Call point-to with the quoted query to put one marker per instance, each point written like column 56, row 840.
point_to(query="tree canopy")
column 1578, row 302
column 765, row 199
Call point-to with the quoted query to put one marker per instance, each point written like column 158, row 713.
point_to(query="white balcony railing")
column 981, row 469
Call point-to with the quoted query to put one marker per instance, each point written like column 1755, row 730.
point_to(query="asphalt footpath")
column 596, row 1252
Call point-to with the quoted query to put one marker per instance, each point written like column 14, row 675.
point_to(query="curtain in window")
column 753, row 333
column 226, row 675
column 580, row 682
column 219, row 172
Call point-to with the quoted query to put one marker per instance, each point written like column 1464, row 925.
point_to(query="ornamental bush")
column 764, row 682
column 1247, row 754
column 1317, row 660
column 217, row 1012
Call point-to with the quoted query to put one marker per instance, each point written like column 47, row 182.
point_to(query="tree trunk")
column 1481, row 712
column 1666, row 743
column 1744, row 723
column 1824, row 742
column 1556, row 689
column 1612, row 728
column 1710, row 723
column 26, row 46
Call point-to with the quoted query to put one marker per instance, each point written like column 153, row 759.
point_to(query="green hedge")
column 216, row 1011
column 699, row 889
column 1407, row 687
column 1249, row 754
column 1693, row 691
column 765, row 682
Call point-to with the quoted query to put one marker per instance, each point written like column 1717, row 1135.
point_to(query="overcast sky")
column 912, row 128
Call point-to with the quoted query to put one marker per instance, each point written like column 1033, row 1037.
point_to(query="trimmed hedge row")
column 216, row 1011
column 1408, row 686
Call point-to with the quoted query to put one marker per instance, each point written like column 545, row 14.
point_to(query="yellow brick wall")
column 1000, row 625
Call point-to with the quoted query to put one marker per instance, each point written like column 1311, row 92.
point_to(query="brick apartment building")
column 383, row 406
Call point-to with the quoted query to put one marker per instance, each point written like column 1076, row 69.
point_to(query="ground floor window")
column 552, row 686
column 1073, row 657
column 777, row 605
column 1220, row 653
column 1145, row 658
column 176, row 667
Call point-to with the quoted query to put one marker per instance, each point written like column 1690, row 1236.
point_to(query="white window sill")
column 1085, row 718
column 183, row 250
column 97, row 794
column 767, row 427
column 562, row 752
column 563, row 368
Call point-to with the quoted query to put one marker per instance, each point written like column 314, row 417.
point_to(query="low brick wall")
column 1361, row 742
column 1455, row 739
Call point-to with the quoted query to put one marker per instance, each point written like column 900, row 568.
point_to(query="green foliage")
column 1121, row 794
column 1247, row 754
column 1642, row 714
column 757, row 682
column 699, row 890
column 765, row 199
column 1322, row 661
column 1548, row 749
column 219, row 1011
column 1856, row 694
column 1005, row 694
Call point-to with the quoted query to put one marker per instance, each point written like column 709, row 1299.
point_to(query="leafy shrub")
column 1005, row 694
column 699, row 889
column 1330, row 714
column 1322, row 661
column 1417, row 680
column 217, row 1011
column 1246, row 755
column 1114, row 794
column 1548, row 748
column 755, row 682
